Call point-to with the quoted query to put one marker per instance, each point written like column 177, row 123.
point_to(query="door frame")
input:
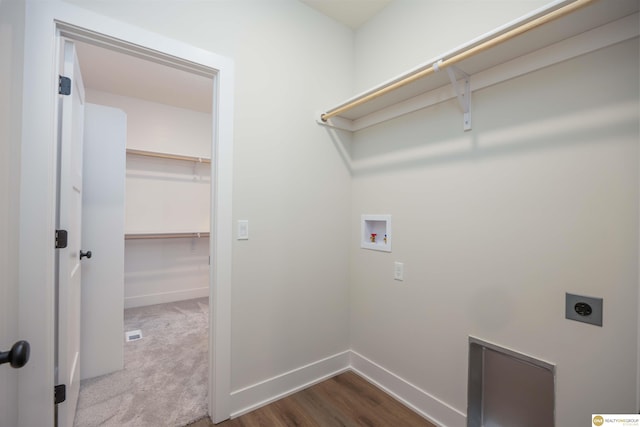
column 45, row 23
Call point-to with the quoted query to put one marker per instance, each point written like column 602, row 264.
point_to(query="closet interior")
column 168, row 172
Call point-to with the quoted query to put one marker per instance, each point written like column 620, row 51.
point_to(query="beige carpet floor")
column 165, row 376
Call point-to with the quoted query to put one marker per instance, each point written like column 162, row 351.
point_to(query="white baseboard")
column 253, row 397
column 164, row 297
column 430, row 407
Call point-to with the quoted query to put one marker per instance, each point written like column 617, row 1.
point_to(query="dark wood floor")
column 346, row 400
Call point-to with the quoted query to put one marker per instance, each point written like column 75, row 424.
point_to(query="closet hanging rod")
column 443, row 63
column 141, row 236
column 167, row 156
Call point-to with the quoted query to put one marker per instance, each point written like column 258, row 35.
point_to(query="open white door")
column 104, row 163
column 71, row 121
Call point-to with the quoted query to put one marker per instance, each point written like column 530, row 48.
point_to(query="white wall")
column 152, row 126
column 289, row 289
column 11, row 66
column 495, row 225
column 164, row 196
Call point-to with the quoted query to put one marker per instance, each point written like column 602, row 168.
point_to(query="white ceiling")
column 114, row 72
column 352, row 13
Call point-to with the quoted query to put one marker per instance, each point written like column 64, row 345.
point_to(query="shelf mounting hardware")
column 464, row 98
column 558, row 9
column 462, row 87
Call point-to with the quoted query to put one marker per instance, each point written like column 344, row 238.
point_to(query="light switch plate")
column 398, row 271
column 591, row 309
column 243, row 229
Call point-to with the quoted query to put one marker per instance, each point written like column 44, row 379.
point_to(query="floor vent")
column 133, row 335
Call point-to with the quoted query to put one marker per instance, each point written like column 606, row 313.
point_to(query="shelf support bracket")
column 463, row 94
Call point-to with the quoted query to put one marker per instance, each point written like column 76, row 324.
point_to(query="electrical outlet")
column 398, row 271
column 583, row 309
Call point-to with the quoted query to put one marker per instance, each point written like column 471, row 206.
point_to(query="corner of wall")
column 264, row 392
column 421, row 401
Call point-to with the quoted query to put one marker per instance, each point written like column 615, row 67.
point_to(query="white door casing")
column 45, row 23
column 70, row 219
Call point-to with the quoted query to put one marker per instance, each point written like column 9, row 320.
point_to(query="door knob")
column 18, row 356
column 85, row 254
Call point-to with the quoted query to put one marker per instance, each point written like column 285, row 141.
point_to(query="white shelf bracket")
column 463, row 95
column 335, row 123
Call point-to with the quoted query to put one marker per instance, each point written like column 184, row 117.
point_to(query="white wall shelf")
column 375, row 232
column 144, row 236
column 596, row 25
column 168, row 156
column 167, row 195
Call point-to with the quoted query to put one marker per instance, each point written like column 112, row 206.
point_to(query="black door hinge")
column 59, row 393
column 64, row 85
column 61, row 239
